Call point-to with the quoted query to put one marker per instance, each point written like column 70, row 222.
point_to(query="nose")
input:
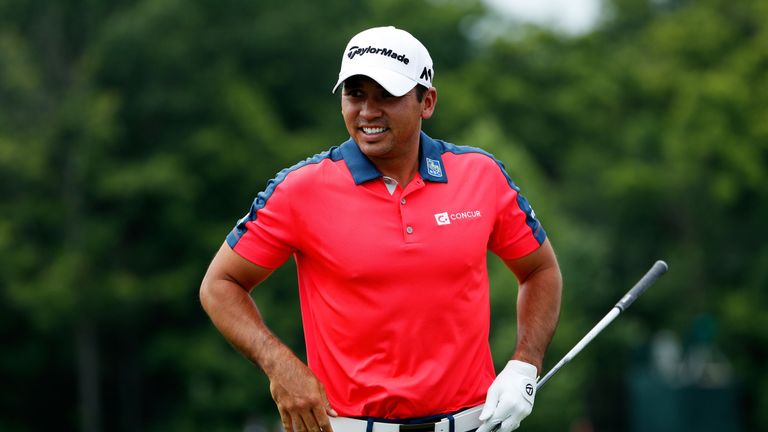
column 370, row 108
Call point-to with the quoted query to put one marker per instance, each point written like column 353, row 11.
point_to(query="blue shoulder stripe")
column 262, row 197
column 530, row 215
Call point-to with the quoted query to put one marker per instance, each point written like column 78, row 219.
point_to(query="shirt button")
column 402, row 201
column 409, row 230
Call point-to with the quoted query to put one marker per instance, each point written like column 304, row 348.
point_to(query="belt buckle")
column 419, row 427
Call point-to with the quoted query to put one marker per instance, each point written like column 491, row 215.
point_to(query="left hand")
column 510, row 397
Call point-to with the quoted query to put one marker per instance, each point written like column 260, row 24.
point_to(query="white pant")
column 464, row 421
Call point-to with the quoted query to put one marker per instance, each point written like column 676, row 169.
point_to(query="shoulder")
column 297, row 178
column 469, row 152
column 471, row 158
column 306, row 170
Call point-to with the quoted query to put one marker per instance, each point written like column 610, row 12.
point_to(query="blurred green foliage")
column 134, row 134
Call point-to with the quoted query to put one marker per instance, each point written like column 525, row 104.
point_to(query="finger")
column 486, row 413
column 328, row 408
column 298, row 423
column 491, row 400
column 503, row 411
column 488, row 426
column 509, row 425
column 315, row 419
column 321, row 418
column 285, row 419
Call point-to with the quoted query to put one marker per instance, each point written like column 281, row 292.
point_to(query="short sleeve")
column 516, row 231
column 265, row 235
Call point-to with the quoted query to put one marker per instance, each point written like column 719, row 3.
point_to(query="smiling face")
column 385, row 127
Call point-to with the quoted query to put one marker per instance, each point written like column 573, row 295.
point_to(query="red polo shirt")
column 393, row 287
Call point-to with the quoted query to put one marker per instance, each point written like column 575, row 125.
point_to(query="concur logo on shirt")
column 442, row 219
column 445, row 218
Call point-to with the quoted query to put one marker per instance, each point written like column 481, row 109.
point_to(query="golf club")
column 658, row 269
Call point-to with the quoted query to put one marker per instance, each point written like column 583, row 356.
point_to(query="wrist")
column 273, row 356
column 523, row 368
column 531, row 360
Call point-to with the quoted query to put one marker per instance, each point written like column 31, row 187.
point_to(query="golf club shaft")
column 658, row 269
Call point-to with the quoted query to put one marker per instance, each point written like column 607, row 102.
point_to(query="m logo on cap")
column 426, row 74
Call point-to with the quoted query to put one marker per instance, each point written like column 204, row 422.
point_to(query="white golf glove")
column 510, row 397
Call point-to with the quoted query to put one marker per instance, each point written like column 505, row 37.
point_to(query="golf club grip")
column 658, row 269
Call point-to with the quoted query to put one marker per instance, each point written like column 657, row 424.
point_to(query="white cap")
column 390, row 56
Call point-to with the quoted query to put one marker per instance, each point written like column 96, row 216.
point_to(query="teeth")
column 374, row 130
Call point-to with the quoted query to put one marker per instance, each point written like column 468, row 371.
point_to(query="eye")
column 353, row 93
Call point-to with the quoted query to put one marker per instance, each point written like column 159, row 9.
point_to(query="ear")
column 429, row 103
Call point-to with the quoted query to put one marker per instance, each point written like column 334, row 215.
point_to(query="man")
column 389, row 232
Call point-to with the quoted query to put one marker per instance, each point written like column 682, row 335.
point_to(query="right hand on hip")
column 300, row 399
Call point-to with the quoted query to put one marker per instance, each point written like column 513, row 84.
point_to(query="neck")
column 402, row 172
column 401, row 163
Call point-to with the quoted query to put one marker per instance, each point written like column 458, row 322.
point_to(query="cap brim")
column 393, row 82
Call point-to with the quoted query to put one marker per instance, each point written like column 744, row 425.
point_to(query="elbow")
column 206, row 293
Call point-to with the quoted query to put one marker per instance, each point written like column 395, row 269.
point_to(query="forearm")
column 236, row 316
column 538, row 310
column 225, row 295
column 511, row 395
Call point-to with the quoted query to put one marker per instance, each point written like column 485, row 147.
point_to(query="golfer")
column 390, row 232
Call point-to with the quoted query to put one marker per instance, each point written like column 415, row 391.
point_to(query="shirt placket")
column 409, row 221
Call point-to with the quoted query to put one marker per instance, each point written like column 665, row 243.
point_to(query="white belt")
column 464, row 421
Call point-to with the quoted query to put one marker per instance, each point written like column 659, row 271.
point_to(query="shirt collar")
column 431, row 165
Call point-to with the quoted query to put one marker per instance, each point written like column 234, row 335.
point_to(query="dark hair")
column 420, row 92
